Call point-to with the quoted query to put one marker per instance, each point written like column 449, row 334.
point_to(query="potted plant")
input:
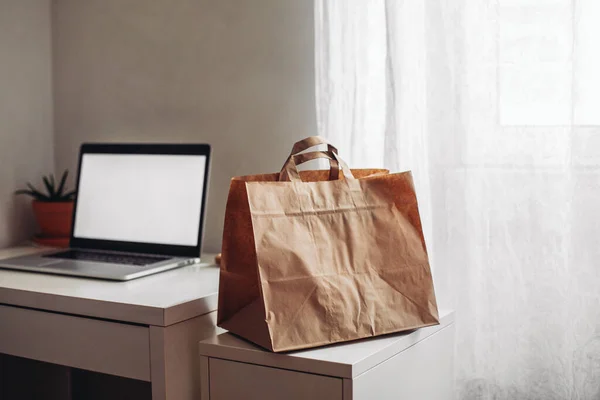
column 53, row 209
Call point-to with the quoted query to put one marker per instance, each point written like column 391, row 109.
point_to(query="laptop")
column 139, row 210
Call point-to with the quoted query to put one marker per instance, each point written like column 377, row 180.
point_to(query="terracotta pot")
column 54, row 219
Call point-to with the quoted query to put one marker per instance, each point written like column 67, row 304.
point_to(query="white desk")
column 407, row 366
column 146, row 329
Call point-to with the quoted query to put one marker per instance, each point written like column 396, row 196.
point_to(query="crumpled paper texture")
column 317, row 262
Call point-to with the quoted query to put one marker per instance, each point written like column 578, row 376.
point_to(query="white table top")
column 346, row 360
column 161, row 299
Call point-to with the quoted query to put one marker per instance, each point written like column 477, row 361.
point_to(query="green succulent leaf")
column 68, row 196
column 54, row 193
column 63, row 180
column 23, row 191
column 32, row 188
column 49, row 186
column 33, row 192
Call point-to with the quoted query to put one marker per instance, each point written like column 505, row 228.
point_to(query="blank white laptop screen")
column 145, row 198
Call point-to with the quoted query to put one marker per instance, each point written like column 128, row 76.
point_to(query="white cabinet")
column 235, row 380
column 417, row 365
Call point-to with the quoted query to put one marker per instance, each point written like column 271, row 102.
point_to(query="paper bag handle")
column 289, row 172
column 309, row 142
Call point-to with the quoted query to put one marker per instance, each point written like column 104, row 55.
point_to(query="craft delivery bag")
column 317, row 257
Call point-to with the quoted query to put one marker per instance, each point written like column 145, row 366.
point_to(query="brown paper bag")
column 317, row 257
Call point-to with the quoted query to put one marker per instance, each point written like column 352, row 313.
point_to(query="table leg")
column 174, row 358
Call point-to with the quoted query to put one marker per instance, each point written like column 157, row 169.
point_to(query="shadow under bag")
column 317, row 257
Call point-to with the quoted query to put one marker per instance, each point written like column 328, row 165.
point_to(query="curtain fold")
column 371, row 85
column 491, row 104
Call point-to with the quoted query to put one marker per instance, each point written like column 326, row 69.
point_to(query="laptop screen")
column 140, row 198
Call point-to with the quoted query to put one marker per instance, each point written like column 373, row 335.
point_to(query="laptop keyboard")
column 108, row 257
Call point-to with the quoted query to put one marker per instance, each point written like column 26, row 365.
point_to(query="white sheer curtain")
column 493, row 104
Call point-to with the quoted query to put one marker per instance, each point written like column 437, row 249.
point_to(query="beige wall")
column 26, row 145
column 237, row 74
